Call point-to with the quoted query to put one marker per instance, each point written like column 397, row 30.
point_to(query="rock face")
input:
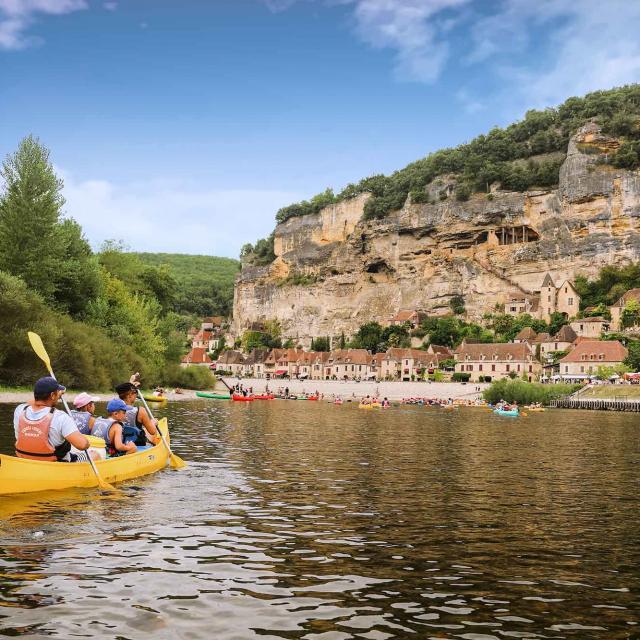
column 352, row 271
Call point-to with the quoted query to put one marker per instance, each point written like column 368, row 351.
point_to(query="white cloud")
column 585, row 46
column 569, row 47
column 16, row 16
column 172, row 217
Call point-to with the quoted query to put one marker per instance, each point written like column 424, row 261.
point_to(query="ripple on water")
column 317, row 522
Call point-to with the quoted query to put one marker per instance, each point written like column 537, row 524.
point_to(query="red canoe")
column 242, row 398
column 264, row 397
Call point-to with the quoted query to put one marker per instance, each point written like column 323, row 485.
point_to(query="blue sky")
column 183, row 125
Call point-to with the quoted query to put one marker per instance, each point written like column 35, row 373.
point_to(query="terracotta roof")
column 503, row 351
column 542, row 337
column 526, row 333
column 565, row 334
column 548, row 282
column 439, row 349
column 632, row 294
column 405, row 315
column 601, row 350
column 592, row 319
column 231, row 357
column 198, row 355
column 353, row 356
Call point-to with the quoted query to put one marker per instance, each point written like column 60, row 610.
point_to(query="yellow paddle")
column 41, row 352
column 175, row 461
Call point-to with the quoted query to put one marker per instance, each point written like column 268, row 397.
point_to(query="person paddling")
column 83, row 413
column 111, row 429
column 45, row 433
column 137, row 417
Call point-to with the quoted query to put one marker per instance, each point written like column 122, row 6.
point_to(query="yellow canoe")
column 152, row 398
column 365, row 406
column 18, row 475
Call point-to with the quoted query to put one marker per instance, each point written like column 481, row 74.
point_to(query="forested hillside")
column 204, row 283
column 523, row 155
column 102, row 316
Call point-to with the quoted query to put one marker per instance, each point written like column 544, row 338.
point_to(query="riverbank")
column 351, row 389
column 16, row 396
column 345, row 390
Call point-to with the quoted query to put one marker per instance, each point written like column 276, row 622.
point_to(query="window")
column 493, row 367
column 566, row 368
column 548, row 298
column 479, row 367
column 469, row 367
column 581, row 369
column 601, row 356
column 518, row 368
column 581, row 327
column 508, row 368
column 530, row 368
column 513, row 309
column 570, row 302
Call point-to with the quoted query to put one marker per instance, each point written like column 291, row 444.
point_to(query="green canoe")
column 214, row 396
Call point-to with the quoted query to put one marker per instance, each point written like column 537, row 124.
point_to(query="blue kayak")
column 514, row 413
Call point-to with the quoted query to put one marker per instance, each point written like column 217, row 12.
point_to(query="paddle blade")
column 176, row 462
column 41, row 352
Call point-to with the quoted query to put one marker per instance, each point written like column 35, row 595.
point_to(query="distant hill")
column 205, row 282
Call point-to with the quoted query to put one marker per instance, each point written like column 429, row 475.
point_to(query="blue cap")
column 117, row 405
column 47, row 385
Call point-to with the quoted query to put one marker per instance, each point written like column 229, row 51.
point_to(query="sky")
column 183, row 125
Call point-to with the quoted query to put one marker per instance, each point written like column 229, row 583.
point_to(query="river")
column 308, row 520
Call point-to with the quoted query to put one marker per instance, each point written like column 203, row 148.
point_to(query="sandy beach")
column 349, row 389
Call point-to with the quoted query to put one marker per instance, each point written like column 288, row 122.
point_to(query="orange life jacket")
column 33, row 438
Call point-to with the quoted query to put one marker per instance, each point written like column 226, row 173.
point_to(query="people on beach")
column 83, row 413
column 45, row 433
column 111, row 429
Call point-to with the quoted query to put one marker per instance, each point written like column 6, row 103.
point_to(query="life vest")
column 101, row 429
column 81, row 418
column 132, row 417
column 132, row 430
column 33, row 439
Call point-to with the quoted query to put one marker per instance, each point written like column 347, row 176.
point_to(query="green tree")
column 30, row 207
column 321, row 344
column 369, row 337
column 456, row 303
column 630, row 313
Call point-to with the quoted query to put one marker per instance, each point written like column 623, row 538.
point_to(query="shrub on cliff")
column 490, row 158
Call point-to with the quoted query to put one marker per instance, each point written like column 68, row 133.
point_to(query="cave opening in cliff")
column 516, row 234
column 379, row 266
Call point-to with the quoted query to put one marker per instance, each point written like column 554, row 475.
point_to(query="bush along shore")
column 527, row 392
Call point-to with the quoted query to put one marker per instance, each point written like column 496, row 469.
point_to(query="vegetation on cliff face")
column 101, row 316
column 260, row 254
column 507, row 156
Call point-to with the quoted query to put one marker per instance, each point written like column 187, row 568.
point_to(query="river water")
column 308, row 520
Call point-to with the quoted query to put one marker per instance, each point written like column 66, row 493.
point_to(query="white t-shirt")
column 62, row 423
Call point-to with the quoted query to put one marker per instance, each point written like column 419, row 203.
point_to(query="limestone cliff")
column 420, row 256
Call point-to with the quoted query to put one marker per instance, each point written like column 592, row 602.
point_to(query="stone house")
column 403, row 364
column 413, row 317
column 254, row 363
column 583, row 361
column 498, row 360
column 352, row 364
column 232, row 361
column 618, row 307
column 440, row 350
column 590, row 327
column 197, row 356
column 526, row 334
column 269, row 365
column 562, row 299
column 517, row 303
column 319, row 361
column 562, row 341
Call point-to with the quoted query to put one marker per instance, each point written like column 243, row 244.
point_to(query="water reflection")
column 305, row 520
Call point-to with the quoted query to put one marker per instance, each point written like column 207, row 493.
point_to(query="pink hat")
column 84, row 399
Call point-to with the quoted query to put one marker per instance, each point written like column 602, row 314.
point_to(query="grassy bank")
column 526, row 392
column 613, row 391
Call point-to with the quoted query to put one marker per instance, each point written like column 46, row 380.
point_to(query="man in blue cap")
column 45, row 433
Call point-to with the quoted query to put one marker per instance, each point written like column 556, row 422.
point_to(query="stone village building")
column 497, row 360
